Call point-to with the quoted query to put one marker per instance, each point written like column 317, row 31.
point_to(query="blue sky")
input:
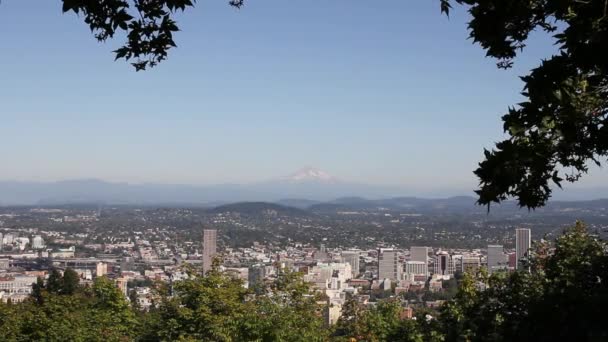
column 385, row 92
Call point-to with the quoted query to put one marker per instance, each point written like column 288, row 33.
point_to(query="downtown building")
column 444, row 265
column 523, row 242
column 209, row 248
column 420, row 254
column 351, row 258
column 416, row 268
column 388, row 264
column 497, row 259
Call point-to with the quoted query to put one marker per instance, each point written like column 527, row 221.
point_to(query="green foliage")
column 55, row 281
column 562, row 298
column 286, row 311
column 562, row 124
column 70, row 282
column 69, row 313
column 217, row 307
column 351, row 322
column 148, row 25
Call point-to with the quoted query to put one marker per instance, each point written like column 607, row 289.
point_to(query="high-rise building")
column 497, row 259
column 419, row 254
column 444, row 265
column 470, row 264
column 122, row 284
column 256, row 275
column 388, row 264
column 127, row 264
column 512, row 260
column 352, row 258
column 37, row 242
column 9, row 239
column 101, row 269
column 523, row 241
column 321, row 254
column 416, row 268
column 209, row 248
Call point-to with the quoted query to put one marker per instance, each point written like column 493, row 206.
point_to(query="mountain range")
column 302, row 189
column 453, row 205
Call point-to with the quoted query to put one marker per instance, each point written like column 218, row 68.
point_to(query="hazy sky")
column 380, row 92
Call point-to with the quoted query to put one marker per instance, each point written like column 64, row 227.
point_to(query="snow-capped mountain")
column 309, row 183
column 311, row 174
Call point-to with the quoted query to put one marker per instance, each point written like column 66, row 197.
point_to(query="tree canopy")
column 553, row 135
column 562, row 122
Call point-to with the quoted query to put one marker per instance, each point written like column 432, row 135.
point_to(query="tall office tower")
column 496, row 258
column 9, row 239
column 388, row 264
column 352, row 258
column 444, row 265
column 419, row 254
column 101, row 269
column 37, row 242
column 321, row 254
column 256, row 275
column 523, row 242
column 209, row 248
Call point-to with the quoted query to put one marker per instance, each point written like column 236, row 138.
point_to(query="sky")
column 387, row 92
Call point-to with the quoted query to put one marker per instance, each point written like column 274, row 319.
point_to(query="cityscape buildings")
column 37, row 242
column 101, row 269
column 522, row 245
column 416, row 268
column 388, row 264
column 352, row 258
column 497, row 258
column 444, row 265
column 209, row 248
column 419, row 254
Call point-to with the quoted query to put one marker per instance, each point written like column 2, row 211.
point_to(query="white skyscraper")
column 388, row 264
column 37, row 242
column 352, row 258
column 101, row 269
column 496, row 258
column 209, row 248
column 523, row 241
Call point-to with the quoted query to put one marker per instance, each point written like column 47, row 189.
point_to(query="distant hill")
column 397, row 203
column 308, row 188
column 299, row 203
column 259, row 208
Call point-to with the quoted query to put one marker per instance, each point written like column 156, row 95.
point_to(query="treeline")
column 562, row 298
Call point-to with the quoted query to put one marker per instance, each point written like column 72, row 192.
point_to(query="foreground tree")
column 561, row 299
column 147, row 24
column 99, row 313
column 286, row 310
column 562, row 122
column 217, row 307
